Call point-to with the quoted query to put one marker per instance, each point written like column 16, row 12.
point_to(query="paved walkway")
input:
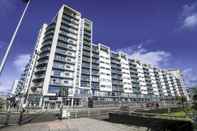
column 81, row 124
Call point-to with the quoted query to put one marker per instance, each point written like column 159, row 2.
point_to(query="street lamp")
column 13, row 36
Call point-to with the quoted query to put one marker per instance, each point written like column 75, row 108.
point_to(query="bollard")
column 76, row 114
column 88, row 113
column 99, row 113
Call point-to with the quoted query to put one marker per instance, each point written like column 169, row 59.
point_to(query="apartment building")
column 68, row 69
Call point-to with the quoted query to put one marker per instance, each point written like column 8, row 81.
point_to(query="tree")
column 194, row 92
column 194, row 98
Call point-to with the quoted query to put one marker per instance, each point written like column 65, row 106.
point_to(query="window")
column 66, row 82
column 68, row 59
column 67, row 66
column 53, row 89
column 67, row 74
column 69, row 53
column 70, row 47
column 58, row 65
column 57, row 73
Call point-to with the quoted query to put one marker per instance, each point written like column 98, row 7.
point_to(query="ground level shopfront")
column 55, row 102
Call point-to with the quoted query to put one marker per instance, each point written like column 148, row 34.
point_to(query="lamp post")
column 13, row 36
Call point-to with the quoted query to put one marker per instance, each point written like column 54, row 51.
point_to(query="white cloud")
column 21, row 61
column 7, row 79
column 6, row 83
column 190, row 77
column 190, row 21
column 189, row 16
column 156, row 58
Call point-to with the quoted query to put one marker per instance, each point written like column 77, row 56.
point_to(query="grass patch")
column 176, row 114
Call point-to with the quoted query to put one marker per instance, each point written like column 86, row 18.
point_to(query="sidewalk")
column 81, row 124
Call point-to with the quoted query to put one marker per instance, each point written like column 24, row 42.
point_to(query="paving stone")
column 81, row 124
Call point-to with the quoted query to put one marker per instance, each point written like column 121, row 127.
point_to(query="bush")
column 2, row 103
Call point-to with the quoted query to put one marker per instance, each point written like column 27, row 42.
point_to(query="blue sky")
column 162, row 33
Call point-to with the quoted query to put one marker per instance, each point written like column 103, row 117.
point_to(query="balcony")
column 95, row 56
column 116, row 77
column 148, row 81
column 70, row 18
column 95, row 61
column 85, row 72
column 63, row 76
column 87, row 37
column 86, row 40
column 115, row 66
column 136, row 86
column 87, row 54
column 38, row 78
column 42, row 62
column 66, row 60
column 95, row 50
column 95, row 87
column 61, row 84
column 65, row 53
column 95, row 67
column 46, row 48
column 67, row 39
column 87, row 34
column 65, row 14
column 48, row 37
column 87, row 29
column 135, row 73
column 68, row 30
column 68, row 35
column 117, row 88
column 115, row 83
column 135, row 80
column 116, row 72
column 51, row 26
column 85, row 65
column 86, row 48
column 86, row 59
column 95, row 84
column 37, row 85
column 66, row 47
column 85, row 79
column 47, row 43
column 49, row 32
column 40, row 69
column 67, row 25
column 95, row 79
column 43, row 56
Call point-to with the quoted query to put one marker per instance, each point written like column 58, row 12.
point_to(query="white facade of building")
column 67, row 66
